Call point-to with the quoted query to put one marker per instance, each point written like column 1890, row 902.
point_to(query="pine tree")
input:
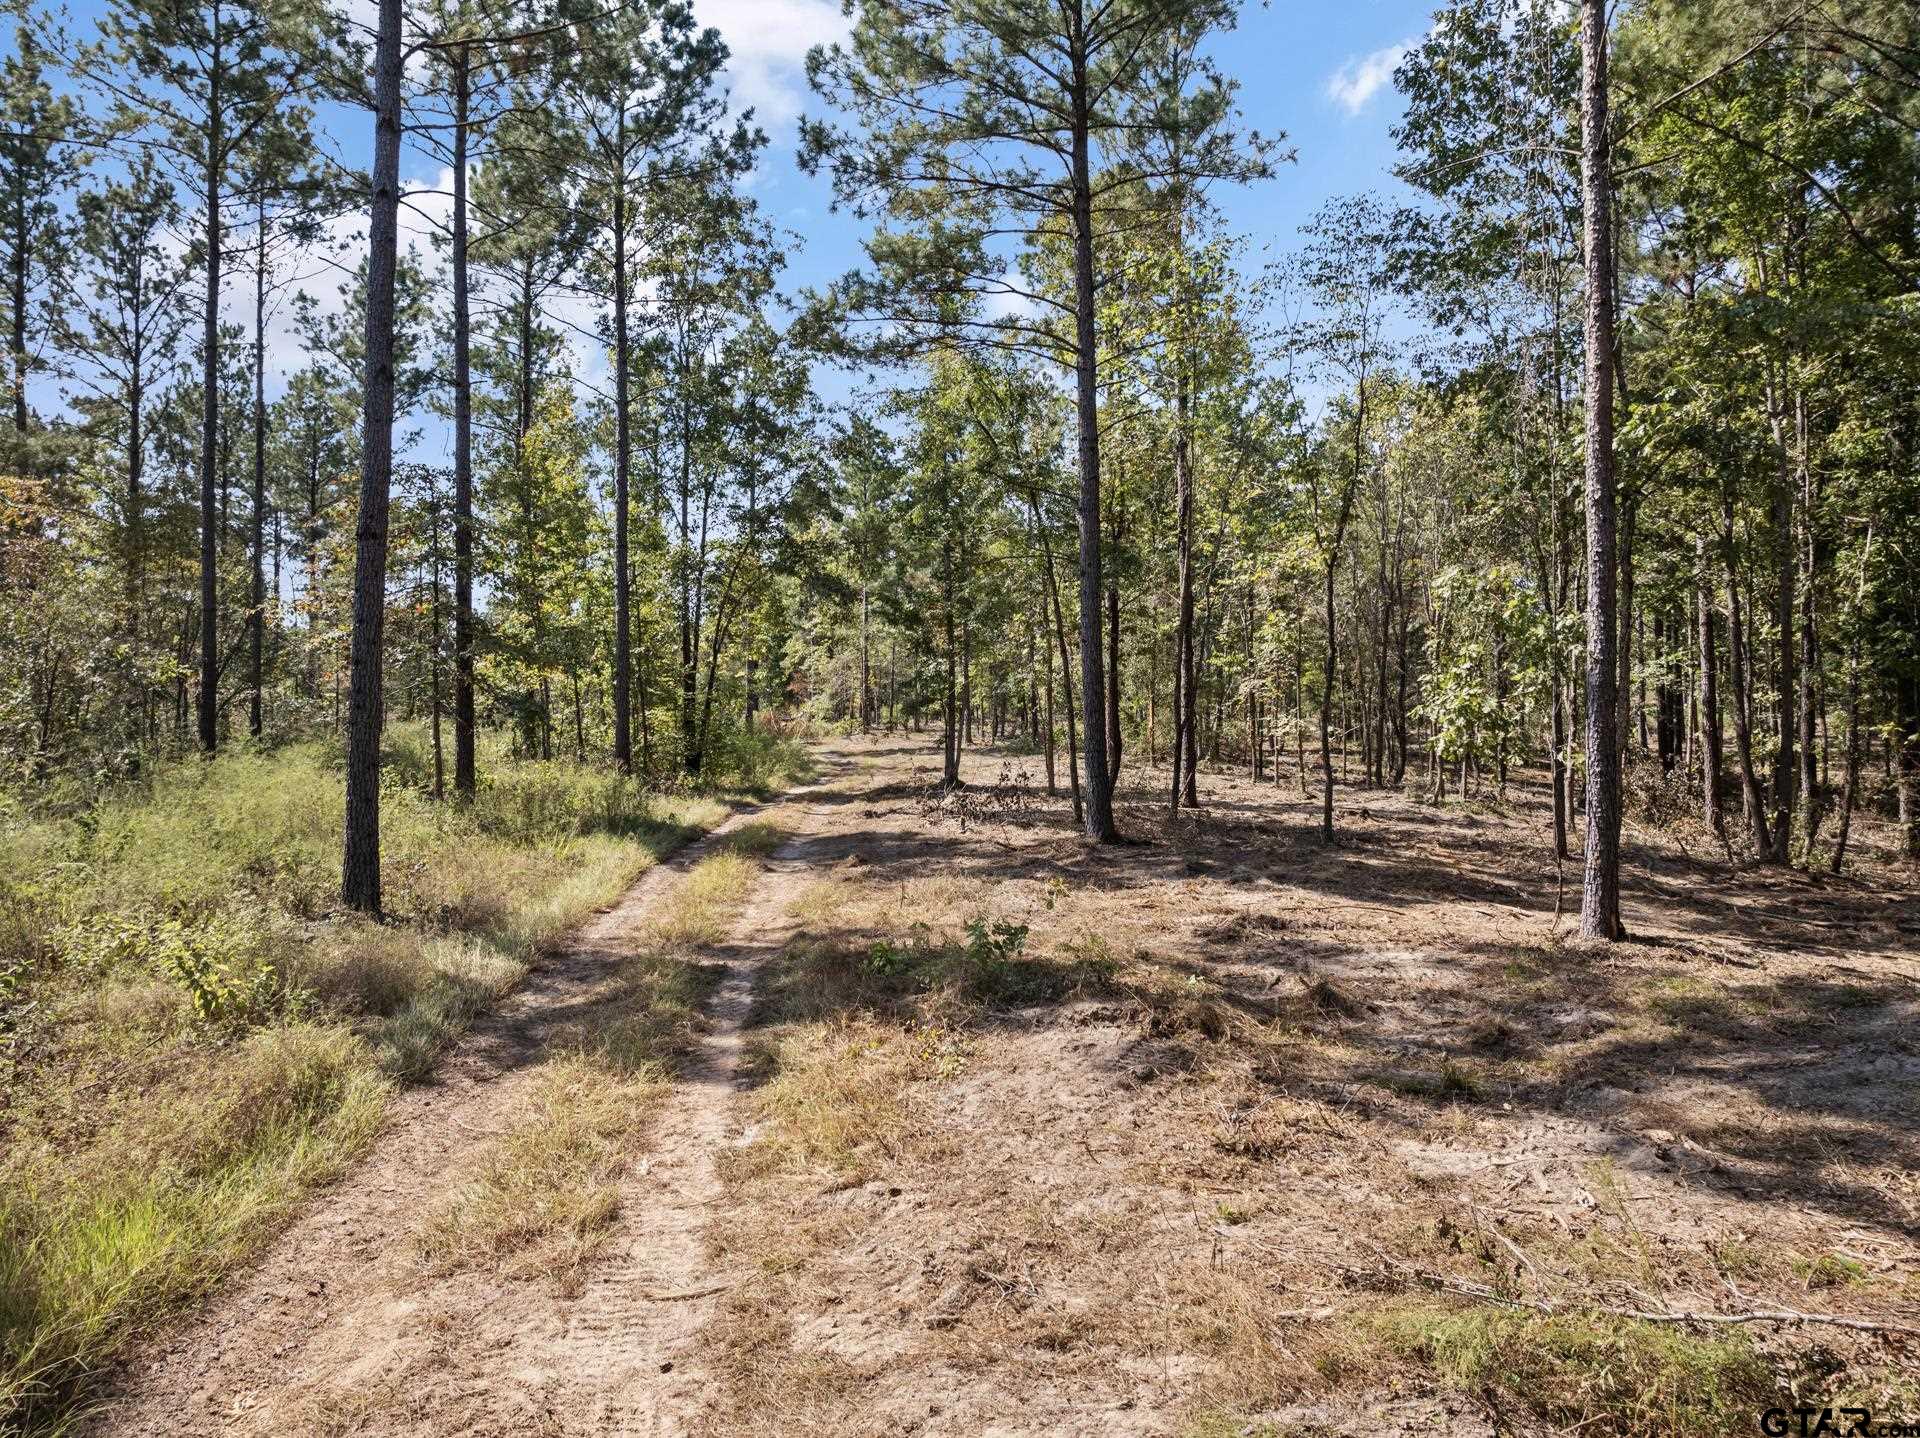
column 212, row 85
column 973, row 120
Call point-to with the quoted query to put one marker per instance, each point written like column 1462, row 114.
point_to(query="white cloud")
column 768, row 41
column 1360, row 78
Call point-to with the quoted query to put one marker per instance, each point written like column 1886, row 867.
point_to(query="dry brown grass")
column 834, row 1097
column 544, row 1194
column 547, row 1191
column 1185, row 1146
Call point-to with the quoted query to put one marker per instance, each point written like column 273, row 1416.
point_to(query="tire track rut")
column 334, row 1331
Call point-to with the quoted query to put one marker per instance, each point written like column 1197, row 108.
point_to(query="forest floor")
column 873, row 1113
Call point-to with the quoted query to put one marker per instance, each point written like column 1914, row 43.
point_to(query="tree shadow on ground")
column 1753, row 1046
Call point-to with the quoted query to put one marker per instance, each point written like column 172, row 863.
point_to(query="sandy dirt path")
column 336, row 1330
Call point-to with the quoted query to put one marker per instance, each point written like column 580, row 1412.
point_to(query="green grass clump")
column 181, row 1185
column 1830, row 1270
column 1641, row 1379
column 193, row 1033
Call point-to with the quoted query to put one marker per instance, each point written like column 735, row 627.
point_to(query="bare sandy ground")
column 1305, row 1077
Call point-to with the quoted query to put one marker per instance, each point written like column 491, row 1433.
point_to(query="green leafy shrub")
column 218, row 961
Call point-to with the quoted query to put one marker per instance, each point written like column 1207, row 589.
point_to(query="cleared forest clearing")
column 546, row 547
column 870, row 1120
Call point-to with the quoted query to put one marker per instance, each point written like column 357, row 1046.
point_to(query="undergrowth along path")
column 335, row 1328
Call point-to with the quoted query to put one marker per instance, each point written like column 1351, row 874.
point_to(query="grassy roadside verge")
column 192, row 1037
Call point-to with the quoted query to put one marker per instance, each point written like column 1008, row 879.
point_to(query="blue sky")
column 1320, row 72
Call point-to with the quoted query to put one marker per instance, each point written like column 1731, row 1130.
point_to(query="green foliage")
column 887, row 958
column 1644, row 1380
column 1490, row 663
column 195, row 1035
column 218, row 961
column 1000, row 942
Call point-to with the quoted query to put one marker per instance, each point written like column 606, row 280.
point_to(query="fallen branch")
column 681, row 1295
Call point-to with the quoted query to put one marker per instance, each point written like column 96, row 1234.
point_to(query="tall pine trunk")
column 464, row 778
column 622, row 462
column 1185, row 787
column 1809, row 559
column 257, row 614
column 360, row 866
column 1098, row 814
column 1710, row 736
column 1754, row 802
column 1851, row 791
column 1786, row 562
column 1600, row 897
column 206, row 704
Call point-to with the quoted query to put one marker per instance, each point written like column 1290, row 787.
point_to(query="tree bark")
column 1906, row 746
column 622, row 465
column 1098, row 814
column 1113, row 683
column 22, row 261
column 1628, row 511
column 866, row 662
column 1185, row 787
column 360, row 867
column 257, row 613
column 1333, row 648
column 464, row 777
column 1786, row 562
column 1066, row 662
column 1753, row 800
column 206, row 704
column 1851, row 791
column 1600, row 898
column 1710, row 732
column 1809, row 561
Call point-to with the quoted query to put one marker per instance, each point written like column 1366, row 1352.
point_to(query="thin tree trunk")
column 1754, row 801
column 1600, row 898
column 140, row 696
column 257, row 615
column 1326, row 706
column 866, row 664
column 1628, row 521
column 1851, row 790
column 950, row 734
column 622, row 465
column 1098, row 813
column 1046, row 661
column 1786, row 561
column 1809, row 638
column 965, row 732
column 464, row 778
column 360, row 868
column 1113, row 683
column 1710, row 735
column 1333, row 648
column 1066, row 661
column 207, row 701
column 439, row 636
column 1185, row 787
column 1905, row 744
column 22, row 262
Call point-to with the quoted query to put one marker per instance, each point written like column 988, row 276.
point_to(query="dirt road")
column 987, row 1133
column 340, row 1330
